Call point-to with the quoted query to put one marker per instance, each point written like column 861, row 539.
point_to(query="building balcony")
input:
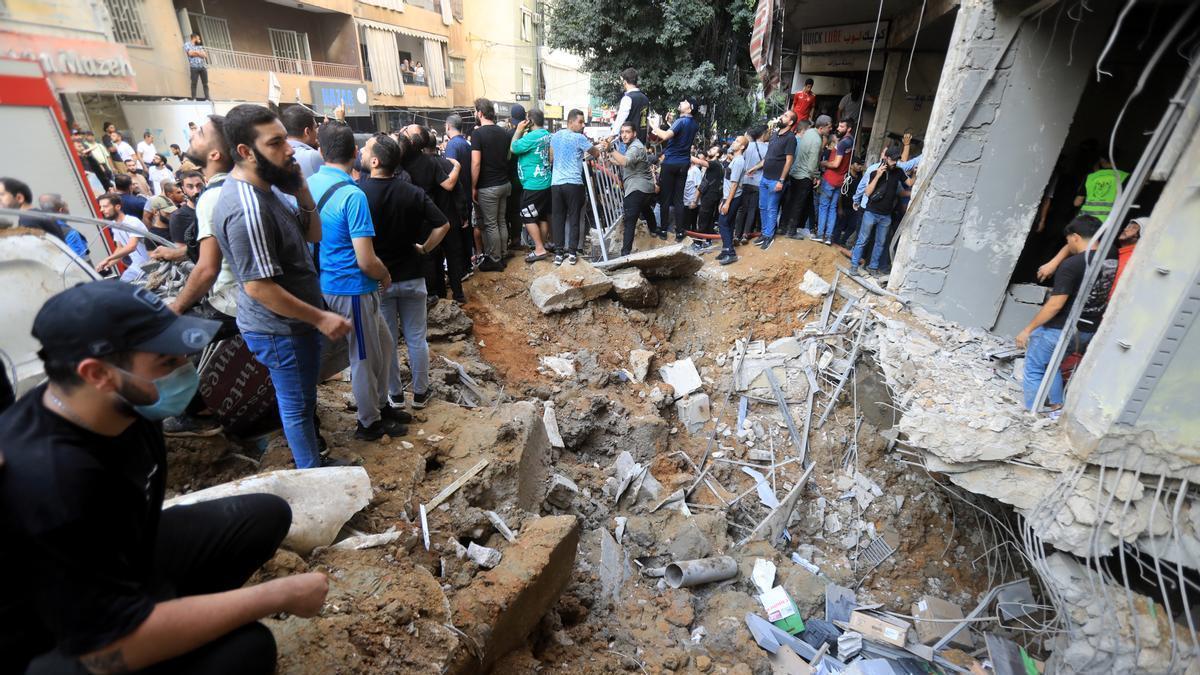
column 235, row 60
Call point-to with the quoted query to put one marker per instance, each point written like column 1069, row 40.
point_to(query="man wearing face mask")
column 111, row 582
column 264, row 220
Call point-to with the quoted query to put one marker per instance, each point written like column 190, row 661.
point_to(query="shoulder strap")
column 331, row 192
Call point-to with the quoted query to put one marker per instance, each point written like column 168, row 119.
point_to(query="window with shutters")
column 127, row 22
column 458, row 69
column 291, row 52
column 526, row 25
column 213, row 30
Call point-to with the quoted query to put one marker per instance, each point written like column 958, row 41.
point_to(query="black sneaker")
column 678, row 237
column 796, row 235
column 377, row 430
column 723, row 255
column 729, row 259
column 422, row 400
column 854, row 270
column 661, row 234
column 398, row 414
column 759, row 240
column 766, row 244
column 572, row 259
column 460, row 299
column 489, row 265
column 185, row 425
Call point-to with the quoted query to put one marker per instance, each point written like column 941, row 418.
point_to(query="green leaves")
column 680, row 48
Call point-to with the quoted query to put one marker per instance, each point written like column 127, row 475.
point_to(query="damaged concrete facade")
column 1112, row 486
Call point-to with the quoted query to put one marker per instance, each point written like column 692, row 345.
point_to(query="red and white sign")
column 74, row 65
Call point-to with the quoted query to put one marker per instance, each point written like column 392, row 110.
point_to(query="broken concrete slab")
column 447, row 319
column 568, row 287
column 322, row 500
column 614, row 567
column 633, row 289
column 562, row 492
column 503, row 605
column 550, row 420
column 814, row 285
column 682, row 376
column 483, row 556
column 693, row 411
column 561, row 365
column 665, row 262
column 639, row 364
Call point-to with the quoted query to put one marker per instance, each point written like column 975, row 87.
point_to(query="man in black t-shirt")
column 710, row 193
column 407, row 226
column 1039, row 338
column 883, row 194
column 781, row 152
column 490, row 183
column 104, row 579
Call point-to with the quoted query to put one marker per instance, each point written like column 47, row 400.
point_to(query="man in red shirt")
column 1126, row 242
column 804, row 102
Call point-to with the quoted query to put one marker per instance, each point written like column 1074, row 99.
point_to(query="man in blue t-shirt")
column 567, row 148
column 458, row 148
column 676, row 159
column 351, row 275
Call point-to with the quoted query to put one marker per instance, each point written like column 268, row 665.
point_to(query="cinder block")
column 939, row 231
column 928, row 281
column 934, row 257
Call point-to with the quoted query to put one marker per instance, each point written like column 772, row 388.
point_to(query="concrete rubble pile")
column 628, row 279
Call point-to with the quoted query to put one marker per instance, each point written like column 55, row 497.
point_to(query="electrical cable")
column 916, row 38
column 1112, row 37
column 866, row 81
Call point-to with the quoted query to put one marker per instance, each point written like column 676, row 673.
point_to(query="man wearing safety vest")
column 1100, row 190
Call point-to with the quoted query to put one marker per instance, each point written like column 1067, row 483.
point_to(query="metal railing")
column 234, row 60
column 605, row 198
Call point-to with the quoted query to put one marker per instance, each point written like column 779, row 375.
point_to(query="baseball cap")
column 108, row 316
column 824, row 121
column 517, row 113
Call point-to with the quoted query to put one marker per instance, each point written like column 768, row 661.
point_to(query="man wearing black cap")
column 105, row 580
column 882, row 194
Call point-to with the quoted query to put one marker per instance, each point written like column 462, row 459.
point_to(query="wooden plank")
column 453, row 487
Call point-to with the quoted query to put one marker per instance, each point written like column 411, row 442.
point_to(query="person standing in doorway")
column 804, row 102
column 781, row 153
column 197, row 57
column 491, row 186
column 676, row 160
column 567, row 149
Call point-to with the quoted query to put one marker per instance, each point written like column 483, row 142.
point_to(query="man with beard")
column 182, row 225
column 263, row 222
column 781, row 153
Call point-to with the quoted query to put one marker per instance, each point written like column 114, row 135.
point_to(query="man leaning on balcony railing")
column 197, row 57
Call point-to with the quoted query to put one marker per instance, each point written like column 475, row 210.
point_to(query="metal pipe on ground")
column 686, row 573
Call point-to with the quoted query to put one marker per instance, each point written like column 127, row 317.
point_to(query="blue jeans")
column 768, row 206
column 404, row 308
column 294, row 362
column 881, row 224
column 827, row 210
column 725, row 224
column 1037, row 356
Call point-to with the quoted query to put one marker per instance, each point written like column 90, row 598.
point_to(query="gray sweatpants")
column 493, row 205
column 369, row 361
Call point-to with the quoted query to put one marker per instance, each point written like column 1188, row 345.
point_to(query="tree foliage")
column 681, row 48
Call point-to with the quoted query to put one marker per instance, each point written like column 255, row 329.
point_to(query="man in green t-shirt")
column 531, row 147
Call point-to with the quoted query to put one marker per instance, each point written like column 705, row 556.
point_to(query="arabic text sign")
column 854, row 37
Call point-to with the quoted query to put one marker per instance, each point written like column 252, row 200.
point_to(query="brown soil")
column 389, row 607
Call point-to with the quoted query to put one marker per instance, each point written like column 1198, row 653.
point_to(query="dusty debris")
column 561, row 492
column 639, row 364
column 568, row 287
column 502, row 605
column 483, row 556
column 664, row 262
column 686, row 573
column 633, row 289
column 693, row 412
column 814, row 285
column 454, row 486
column 550, row 420
column 322, row 500
column 446, row 320
column 364, row 541
column 682, row 376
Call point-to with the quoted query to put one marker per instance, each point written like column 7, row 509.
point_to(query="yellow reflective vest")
column 1101, row 192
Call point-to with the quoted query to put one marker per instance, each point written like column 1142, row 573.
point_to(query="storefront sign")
column 328, row 95
column 844, row 62
column 851, row 38
column 74, row 65
column 553, row 112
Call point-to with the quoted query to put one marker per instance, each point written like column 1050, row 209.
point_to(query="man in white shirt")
column 146, row 150
column 124, row 150
column 129, row 244
column 159, row 172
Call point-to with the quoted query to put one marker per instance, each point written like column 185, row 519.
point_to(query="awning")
column 400, row 30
